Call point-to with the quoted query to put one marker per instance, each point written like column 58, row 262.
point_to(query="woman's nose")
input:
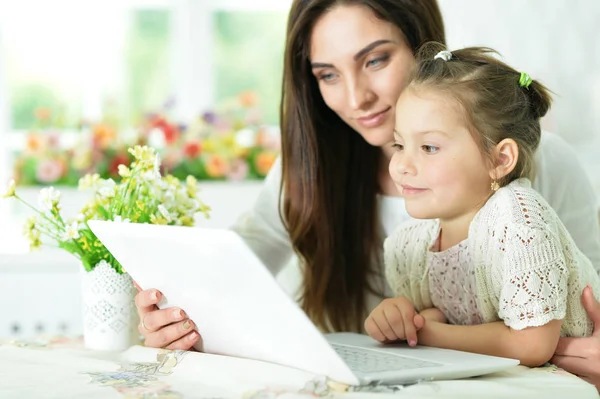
column 360, row 95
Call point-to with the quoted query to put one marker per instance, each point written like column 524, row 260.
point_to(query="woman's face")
column 362, row 64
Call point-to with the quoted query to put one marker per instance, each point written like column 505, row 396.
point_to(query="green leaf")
column 103, row 212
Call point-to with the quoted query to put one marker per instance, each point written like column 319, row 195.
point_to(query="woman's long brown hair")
column 330, row 174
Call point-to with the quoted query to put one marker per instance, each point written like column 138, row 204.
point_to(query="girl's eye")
column 430, row 149
column 398, row 147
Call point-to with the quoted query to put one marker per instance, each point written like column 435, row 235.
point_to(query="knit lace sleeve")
column 405, row 253
column 534, row 270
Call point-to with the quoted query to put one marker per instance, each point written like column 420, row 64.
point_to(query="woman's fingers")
column 170, row 334
column 159, row 318
column 186, row 342
column 575, row 365
column 145, row 301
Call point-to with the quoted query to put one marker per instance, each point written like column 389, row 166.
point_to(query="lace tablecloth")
column 62, row 368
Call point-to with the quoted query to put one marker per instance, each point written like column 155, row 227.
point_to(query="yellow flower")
column 143, row 154
column 208, row 145
column 186, row 221
column 191, row 186
column 11, row 189
column 88, row 181
column 29, row 226
column 140, row 205
column 85, row 245
column 34, row 239
column 124, row 171
column 158, row 219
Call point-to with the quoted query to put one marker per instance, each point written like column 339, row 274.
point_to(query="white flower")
column 10, row 192
column 49, row 198
column 71, row 232
column 164, row 212
column 119, row 219
column 157, row 165
column 245, row 138
column 156, row 138
column 107, row 188
column 154, row 174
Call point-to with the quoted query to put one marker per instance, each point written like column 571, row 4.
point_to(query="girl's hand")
column 163, row 328
column 434, row 314
column 394, row 319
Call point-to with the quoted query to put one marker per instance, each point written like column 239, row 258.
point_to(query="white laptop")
column 240, row 309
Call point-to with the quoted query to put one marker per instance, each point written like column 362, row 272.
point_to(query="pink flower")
column 238, row 171
column 49, row 171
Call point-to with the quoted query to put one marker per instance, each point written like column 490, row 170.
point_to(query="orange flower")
column 42, row 113
column 103, row 135
column 192, row 149
column 33, row 143
column 248, row 99
column 264, row 161
column 216, row 166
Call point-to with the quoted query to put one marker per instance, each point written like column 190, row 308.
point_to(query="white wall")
column 556, row 42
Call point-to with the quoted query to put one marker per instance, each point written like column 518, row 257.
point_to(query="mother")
column 330, row 200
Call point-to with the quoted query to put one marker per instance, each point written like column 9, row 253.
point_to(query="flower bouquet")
column 143, row 195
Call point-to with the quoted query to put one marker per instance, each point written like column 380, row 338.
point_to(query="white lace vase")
column 109, row 316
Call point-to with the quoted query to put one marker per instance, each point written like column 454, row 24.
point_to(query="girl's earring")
column 494, row 186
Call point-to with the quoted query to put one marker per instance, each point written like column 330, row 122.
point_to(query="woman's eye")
column 376, row 61
column 430, row 149
column 327, row 77
column 398, row 147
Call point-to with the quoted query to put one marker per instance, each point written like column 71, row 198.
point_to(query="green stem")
column 43, row 215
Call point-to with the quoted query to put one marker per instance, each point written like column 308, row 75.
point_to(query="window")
column 247, row 61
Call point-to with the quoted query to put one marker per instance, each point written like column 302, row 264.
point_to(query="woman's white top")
column 519, row 264
column 560, row 179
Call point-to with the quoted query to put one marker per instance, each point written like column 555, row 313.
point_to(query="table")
column 59, row 367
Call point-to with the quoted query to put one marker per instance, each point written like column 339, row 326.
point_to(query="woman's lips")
column 374, row 120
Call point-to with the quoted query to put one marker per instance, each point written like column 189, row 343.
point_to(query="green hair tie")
column 525, row 80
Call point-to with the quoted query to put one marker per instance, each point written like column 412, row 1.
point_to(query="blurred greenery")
column 27, row 97
column 147, row 63
column 249, row 57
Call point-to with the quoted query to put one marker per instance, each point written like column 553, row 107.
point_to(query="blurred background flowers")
column 229, row 142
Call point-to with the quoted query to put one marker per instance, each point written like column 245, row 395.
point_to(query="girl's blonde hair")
column 496, row 105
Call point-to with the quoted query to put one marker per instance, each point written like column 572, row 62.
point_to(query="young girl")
column 487, row 255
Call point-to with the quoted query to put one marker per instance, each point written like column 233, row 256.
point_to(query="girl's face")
column 437, row 166
column 362, row 64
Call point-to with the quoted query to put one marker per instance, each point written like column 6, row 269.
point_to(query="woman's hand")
column 394, row 319
column 163, row 328
column 581, row 356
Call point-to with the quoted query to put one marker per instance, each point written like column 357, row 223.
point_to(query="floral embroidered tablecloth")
column 61, row 368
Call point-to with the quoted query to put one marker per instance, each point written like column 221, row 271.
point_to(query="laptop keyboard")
column 371, row 361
